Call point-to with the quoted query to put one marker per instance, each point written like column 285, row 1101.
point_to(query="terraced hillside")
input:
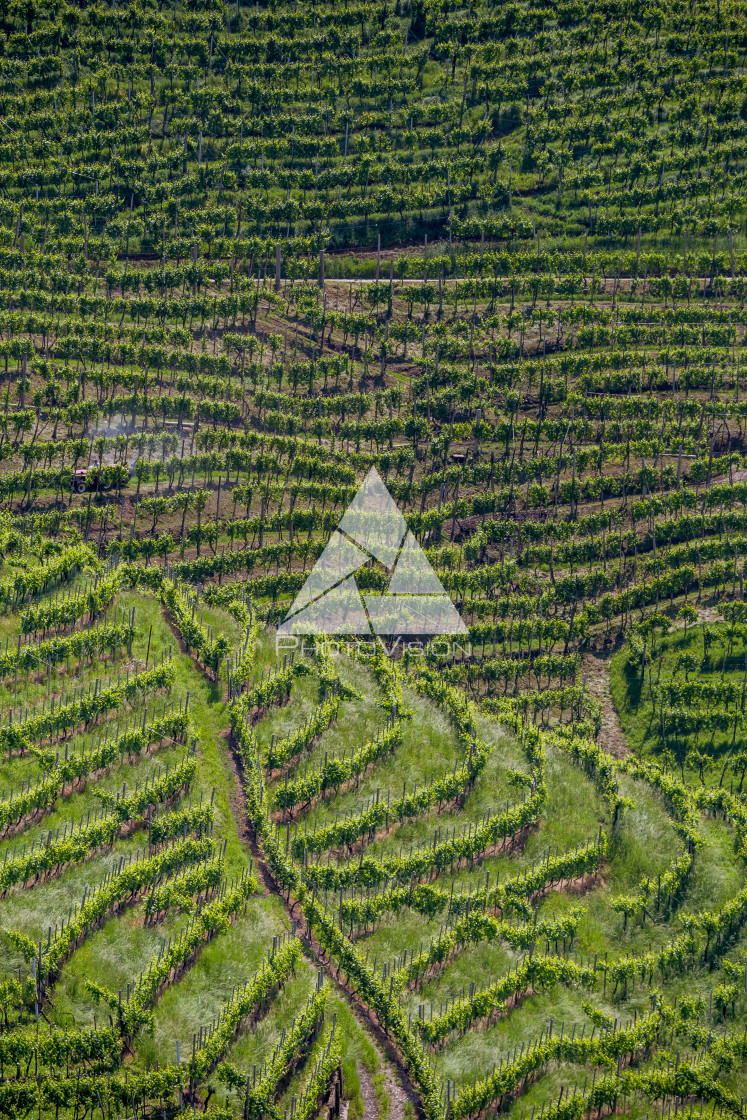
column 247, row 254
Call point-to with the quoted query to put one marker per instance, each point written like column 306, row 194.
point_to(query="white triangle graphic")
column 415, row 602
column 340, row 559
column 413, row 574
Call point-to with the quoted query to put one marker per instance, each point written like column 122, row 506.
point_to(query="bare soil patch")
column 596, row 667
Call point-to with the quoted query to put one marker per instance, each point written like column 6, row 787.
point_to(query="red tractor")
column 98, row 478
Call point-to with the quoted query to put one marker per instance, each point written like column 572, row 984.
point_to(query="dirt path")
column 397, row 1084
column 368, row 1093
column 396, row 1093
column 237, row 796
column 709, row 614
column 596, row 667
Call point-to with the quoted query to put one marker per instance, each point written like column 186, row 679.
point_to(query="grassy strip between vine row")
column 429, row 899
column 132, row 811
column 85, row 709
column 281, row 751
column 680, row 803
column 123, row 886
column 685, row 1079
column 335, row 771
column 295, row 1041
column 252, row 999
column 35, row 580
column 44, row 795
column 63, row 612
column 213, row 919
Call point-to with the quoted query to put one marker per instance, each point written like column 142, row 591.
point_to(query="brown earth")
column 596, row 668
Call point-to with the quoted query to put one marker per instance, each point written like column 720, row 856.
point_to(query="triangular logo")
column 372, row 528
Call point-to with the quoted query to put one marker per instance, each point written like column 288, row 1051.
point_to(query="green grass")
column 573, row 813
column 631, row 693
column 115, row 954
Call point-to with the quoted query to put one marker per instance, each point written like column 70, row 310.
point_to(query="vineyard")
column 257, row 264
